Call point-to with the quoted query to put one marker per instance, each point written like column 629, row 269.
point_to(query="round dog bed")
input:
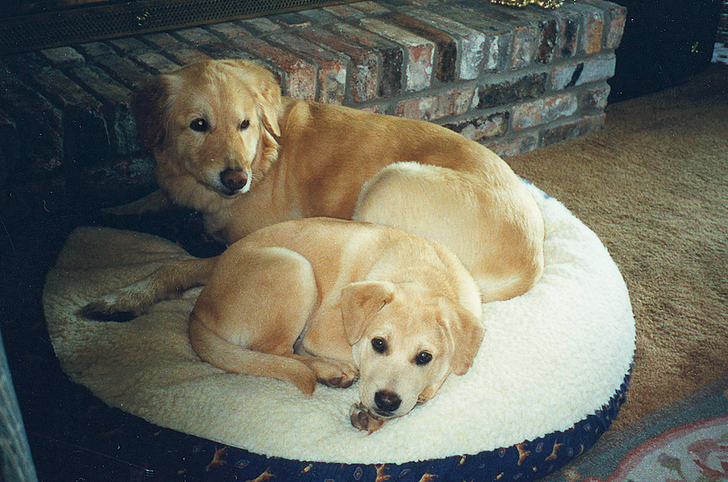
column 547, row 382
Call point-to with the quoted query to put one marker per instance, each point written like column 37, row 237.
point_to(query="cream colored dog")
column 329, row 300
column 227, row 144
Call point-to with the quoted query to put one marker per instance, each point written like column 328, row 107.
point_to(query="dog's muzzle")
column 233, row 180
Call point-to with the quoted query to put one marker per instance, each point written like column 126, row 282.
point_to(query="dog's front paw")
column 363, row 419
column 335, row 373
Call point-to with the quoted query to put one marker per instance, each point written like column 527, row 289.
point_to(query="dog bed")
column 546, row 383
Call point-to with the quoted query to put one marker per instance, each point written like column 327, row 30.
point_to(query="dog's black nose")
column 387, row 402
column 233, row 179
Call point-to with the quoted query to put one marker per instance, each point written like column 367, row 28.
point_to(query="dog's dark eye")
column 423, row 358
column 199, row 125
column 379, row 345
column 244, row 125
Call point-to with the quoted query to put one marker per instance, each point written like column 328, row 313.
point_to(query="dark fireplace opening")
column 29, row 25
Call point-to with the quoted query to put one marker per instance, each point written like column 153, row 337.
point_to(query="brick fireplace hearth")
column 513, row 79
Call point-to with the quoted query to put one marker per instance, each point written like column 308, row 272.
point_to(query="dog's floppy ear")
column 360, row 302
column 269, row 100
column 266, row 89
column 466, row 332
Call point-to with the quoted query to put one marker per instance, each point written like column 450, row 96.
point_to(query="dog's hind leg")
column 492, row 225
column 165, row 282
column 430, row 201
column 252, row 313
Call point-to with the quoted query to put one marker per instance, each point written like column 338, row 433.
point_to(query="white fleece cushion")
column 549, row 358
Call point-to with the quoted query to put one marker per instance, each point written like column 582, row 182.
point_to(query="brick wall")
column 513, row 79
column 720, row 51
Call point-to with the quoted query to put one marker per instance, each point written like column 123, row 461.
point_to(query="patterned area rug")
column 686, row 442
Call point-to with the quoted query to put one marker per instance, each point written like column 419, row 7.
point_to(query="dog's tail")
column 231, row 357
column 165, row 282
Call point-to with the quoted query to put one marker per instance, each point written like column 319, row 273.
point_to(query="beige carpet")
column 653, row 185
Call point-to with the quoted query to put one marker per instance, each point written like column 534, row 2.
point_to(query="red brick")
column 523, row 87
column 161, row 40
column 85, row 131
column 391, row 56
column 615, row 17
column 420, row 52
column 364, row 71
column 61, row 56
column 370, row 8
column 124, row 70
column 115, row 98
column 452, row 102
column 446, row 51
column 543, row 111
column 415, row 3
column 615, row 31
column 128, row 45
column 515, row 144
column 346, row 12
column 545, row 30
column 592, row 32
column 197, row 36
column 471, row 43
column 331, row 67
column 566, row 75
column 572, row 74
column 594, row 98
column 259, row 26
column 569, row 23
column 227, row 30
column 374, row 109
column 720, row 52
column 319, row 15
column 100, row 84
column 115, row 182
column 156, row 63
column 548, row 41
column 222, row 50
column 481, row 127
column 498, row 36
column 523, row 48
column 570, row 129
column 184, row 55
column 299, row 76
column 52, row 83
column 92, row 50
column 598, row 68
column 291, row 20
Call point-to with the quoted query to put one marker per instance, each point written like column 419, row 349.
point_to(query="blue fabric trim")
column 545, row 195
column 527, row 461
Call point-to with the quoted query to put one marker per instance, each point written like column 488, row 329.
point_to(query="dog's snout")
column 233, row 179
column 387, row 402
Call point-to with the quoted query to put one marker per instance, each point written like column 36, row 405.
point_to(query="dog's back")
column 323, row 160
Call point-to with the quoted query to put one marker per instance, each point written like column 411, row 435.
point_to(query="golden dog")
column 227, row 144
column 326, row 300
